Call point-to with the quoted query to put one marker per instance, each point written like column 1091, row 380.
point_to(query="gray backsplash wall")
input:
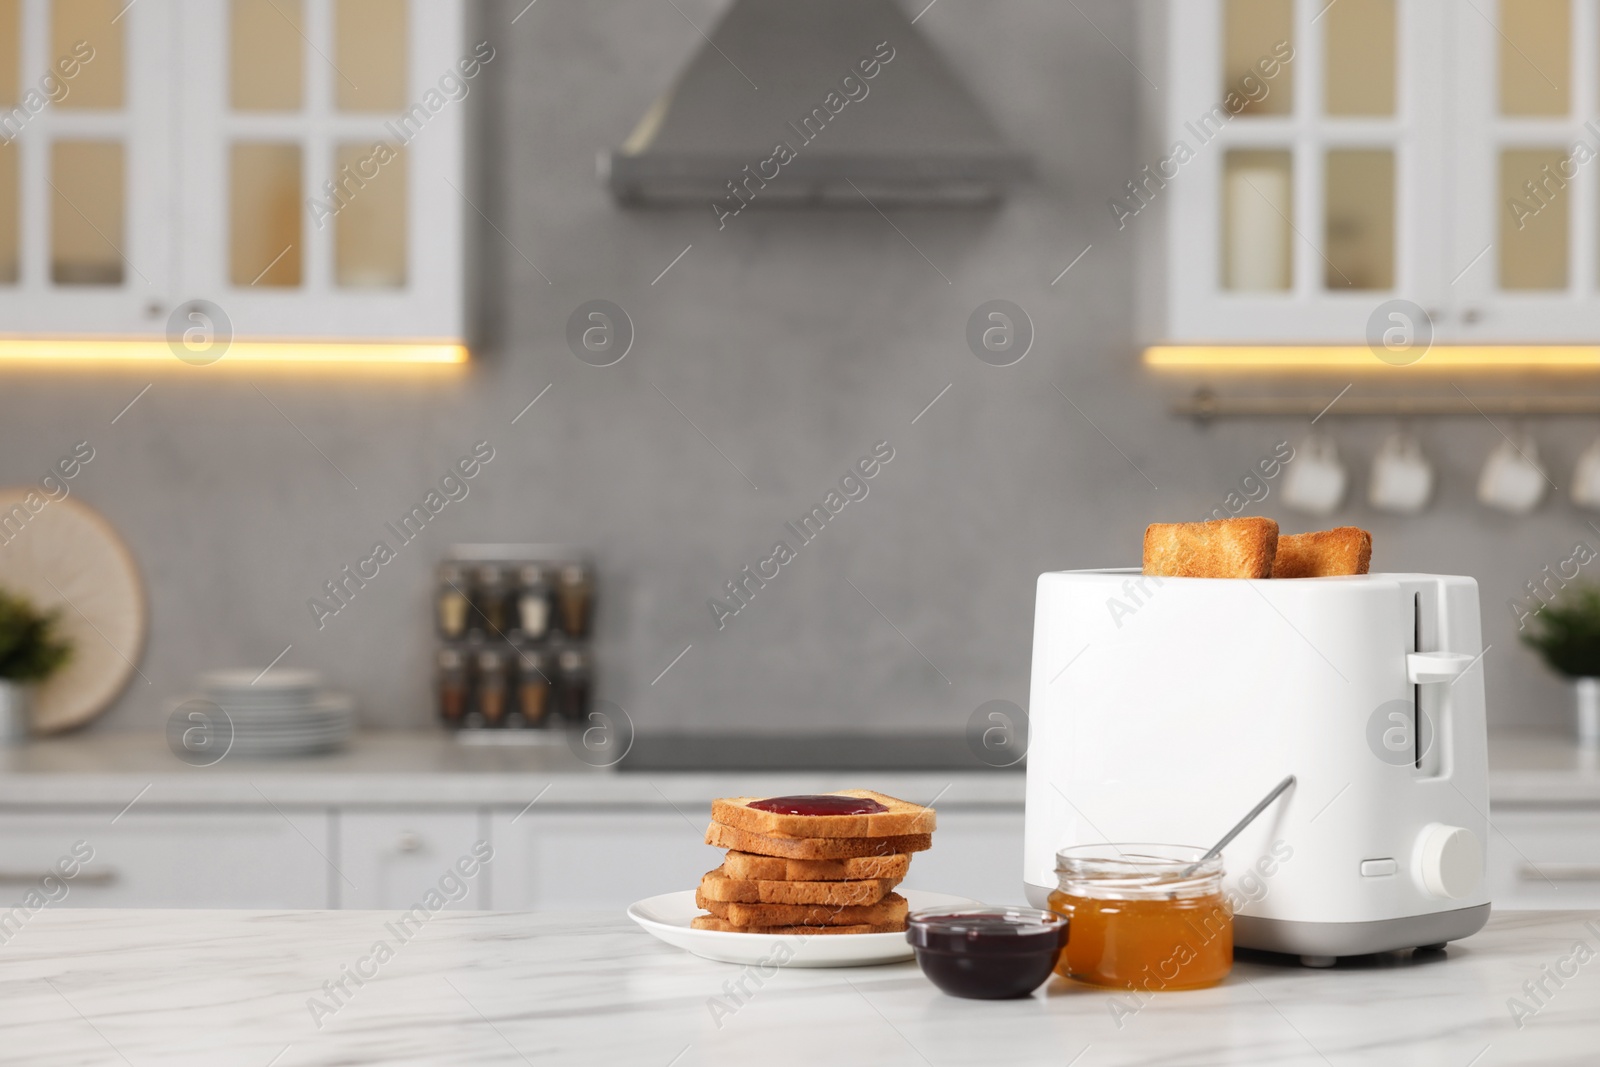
column 794, row 342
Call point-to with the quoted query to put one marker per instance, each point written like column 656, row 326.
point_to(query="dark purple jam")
column 819, row 804
column 987, row 953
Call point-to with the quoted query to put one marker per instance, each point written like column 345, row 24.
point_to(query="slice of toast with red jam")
column 711, row 922
column 890, row 909
column 814, row 848
column 748, row 867
column 846, row 813
column 716, row 885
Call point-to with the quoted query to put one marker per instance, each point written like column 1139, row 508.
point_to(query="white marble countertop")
column 430, row 767
column 225, row 988
column 417, row 767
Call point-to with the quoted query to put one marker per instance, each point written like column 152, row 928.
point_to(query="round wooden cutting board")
column 65, row 557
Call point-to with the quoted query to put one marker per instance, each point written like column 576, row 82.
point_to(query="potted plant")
column 31, row 650
column 1567, row 634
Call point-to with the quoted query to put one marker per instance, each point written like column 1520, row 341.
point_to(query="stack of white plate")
column 281, row 713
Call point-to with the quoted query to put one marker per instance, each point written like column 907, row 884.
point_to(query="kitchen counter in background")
column 371, row 827
column 423, row 767
column 406, row 767
column 573, row 988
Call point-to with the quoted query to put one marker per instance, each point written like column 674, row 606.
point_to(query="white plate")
column 254, row 681
column 667, row 917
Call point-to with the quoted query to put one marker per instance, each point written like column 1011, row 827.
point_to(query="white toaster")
column 1162, row 709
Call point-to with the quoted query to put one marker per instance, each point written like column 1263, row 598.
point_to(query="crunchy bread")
column 748, row 867
column 901, row 818
column 1222, row 548
column 1342, row 550
column 814, row 848
column 711, row 922
column 718, row 886
column 891, row 908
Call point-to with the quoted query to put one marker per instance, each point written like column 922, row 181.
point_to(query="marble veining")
column 244, row 988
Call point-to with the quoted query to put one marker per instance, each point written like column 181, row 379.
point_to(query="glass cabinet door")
column 85, row 246
column 1526, row 249
column 1305, row 160
column 325, row 188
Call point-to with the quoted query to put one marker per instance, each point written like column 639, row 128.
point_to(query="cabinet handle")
column 100, row 877
column 1559, row 872
column 409, row 842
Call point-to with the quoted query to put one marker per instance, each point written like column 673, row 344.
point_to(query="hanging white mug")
column 1316, row 481
column 1513, row 479
column 1402, row 477
column 1586, row 478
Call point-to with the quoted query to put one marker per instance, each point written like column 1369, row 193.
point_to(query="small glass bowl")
column 987, row 953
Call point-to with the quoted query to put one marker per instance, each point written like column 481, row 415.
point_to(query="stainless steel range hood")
column 814, row 102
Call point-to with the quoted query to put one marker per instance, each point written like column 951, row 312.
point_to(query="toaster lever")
column 1423, row 668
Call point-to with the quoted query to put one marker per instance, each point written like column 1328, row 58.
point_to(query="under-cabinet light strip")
column 324, row 352
column 1360, row 357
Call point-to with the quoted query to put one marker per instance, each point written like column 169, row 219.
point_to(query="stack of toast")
column 788, row 873
column 1253, row 548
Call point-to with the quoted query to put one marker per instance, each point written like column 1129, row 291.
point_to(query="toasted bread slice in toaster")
column 711, row 922
column 902, row 817
column 748, row 867
column 1322, row 553
column 814, row 848
column 1221, row 548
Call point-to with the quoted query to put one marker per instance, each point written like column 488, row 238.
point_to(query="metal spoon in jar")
column 1239, row 826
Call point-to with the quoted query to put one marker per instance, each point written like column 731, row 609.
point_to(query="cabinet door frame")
column 1199, row 308
column 38, row 307
column 429, row 307
column 1479, row 311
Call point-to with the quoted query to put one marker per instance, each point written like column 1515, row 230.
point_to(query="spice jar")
column 493, row 687
column 1150, row 917
column 573, row 669
column 490, row 598
column 576, row 597
column 451, row 682
column 533, row 603
column 533, row 687
column 451, row 606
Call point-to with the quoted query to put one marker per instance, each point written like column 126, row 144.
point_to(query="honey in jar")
column 1146, row 917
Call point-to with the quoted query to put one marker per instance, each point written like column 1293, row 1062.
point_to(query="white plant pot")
column 1586, row 702
column 16, row 702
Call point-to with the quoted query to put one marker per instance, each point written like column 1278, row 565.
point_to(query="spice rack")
column 514, row 623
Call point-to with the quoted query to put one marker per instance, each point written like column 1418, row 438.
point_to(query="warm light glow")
column 77, row 350
column 1360, row 357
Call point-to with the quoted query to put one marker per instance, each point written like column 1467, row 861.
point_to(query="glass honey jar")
column 1146, row 917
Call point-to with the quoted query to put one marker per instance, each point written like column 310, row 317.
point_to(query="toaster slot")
column 1427, row 700
column 1416, row 689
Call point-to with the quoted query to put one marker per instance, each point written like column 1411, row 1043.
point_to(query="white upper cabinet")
column 1527, row 147
column 297, row 163
column 1318, row 159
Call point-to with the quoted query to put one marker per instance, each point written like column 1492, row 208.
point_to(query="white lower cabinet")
column 1544, row 859
column 155, row 858
column 393, row 859
column 295, row 857
column 594, row 860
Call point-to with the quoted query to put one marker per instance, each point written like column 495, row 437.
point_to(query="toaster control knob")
column 1450, row 860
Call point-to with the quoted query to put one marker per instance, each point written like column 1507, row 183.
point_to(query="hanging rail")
column 1205, row 405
